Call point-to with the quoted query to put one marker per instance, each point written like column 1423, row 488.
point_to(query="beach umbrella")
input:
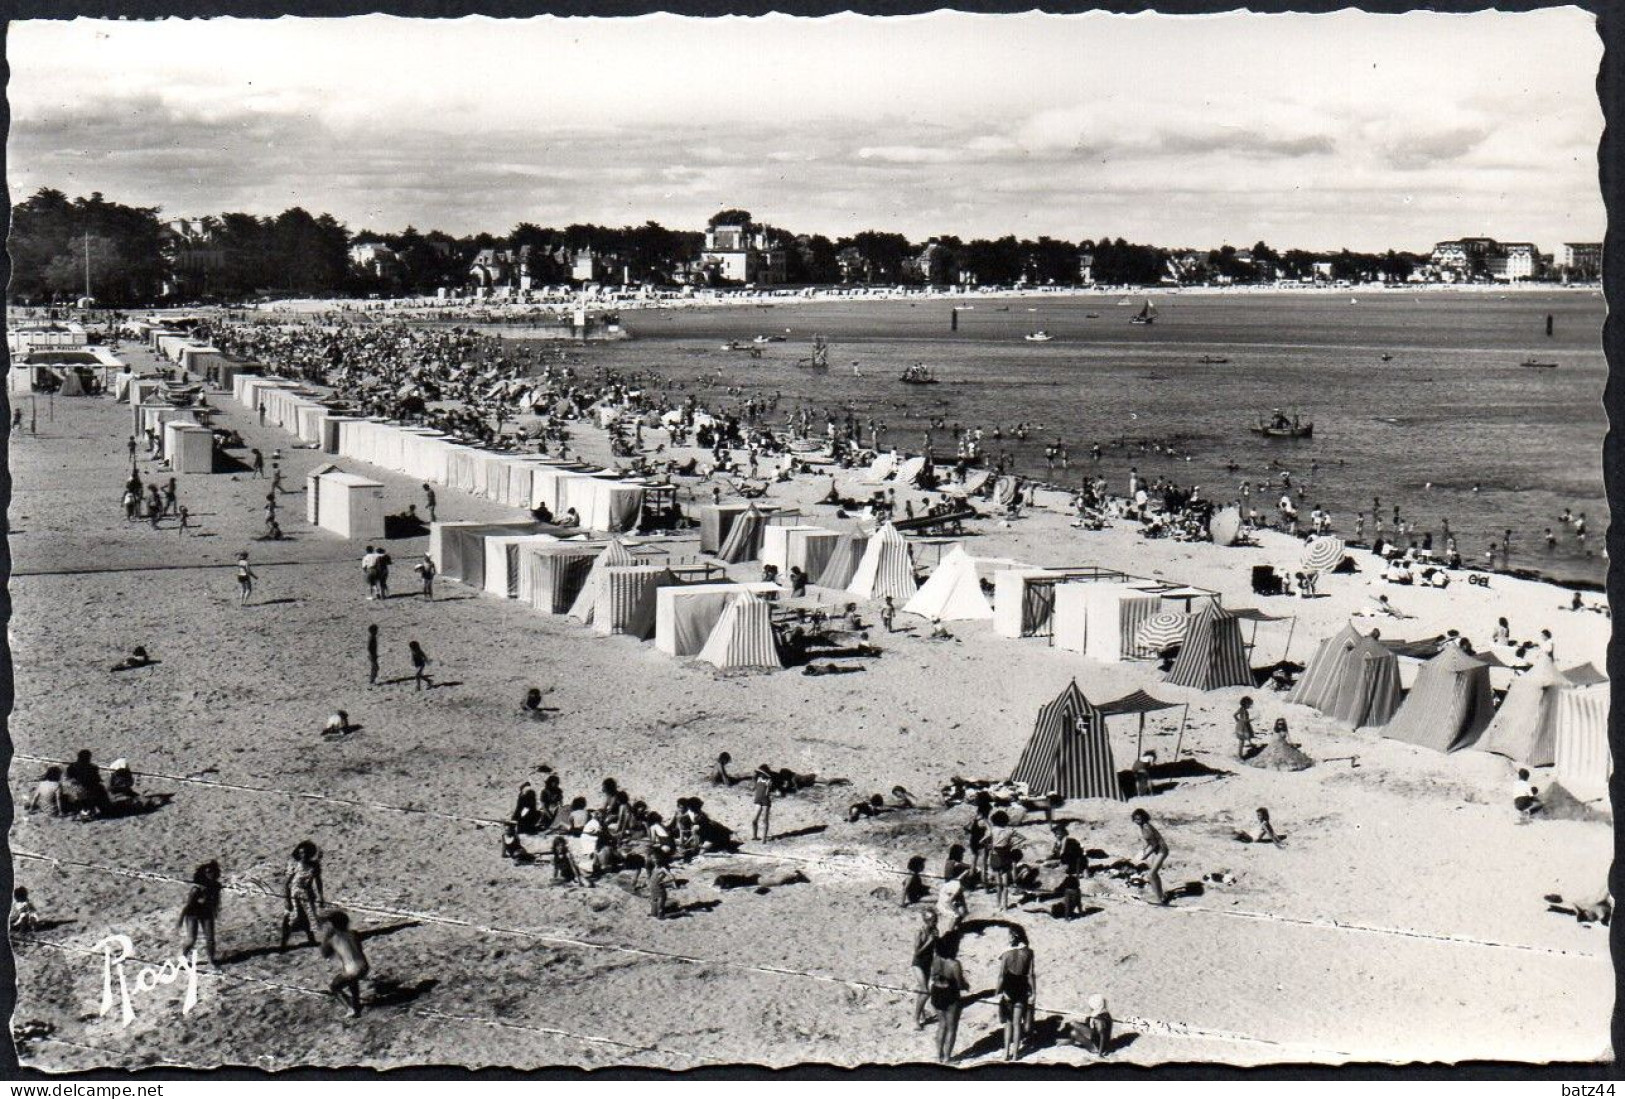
column 1162, row 631
column 1225, row 526
column 1323, row 554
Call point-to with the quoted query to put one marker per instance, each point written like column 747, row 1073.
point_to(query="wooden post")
column 1139, row 741
column 1290, row 630
column 1180, row 742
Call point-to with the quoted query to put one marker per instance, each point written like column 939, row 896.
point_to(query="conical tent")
column 1318, row 686
column 1449, row 706
column 743, row 637
column 744, row 541
column 1368, row 687
column 843, row 561
column 1525, row 727
column 614, row 555
column 953, row 592
column 1069, row 753
column 1212, row 655
column 71, row 385
column 886, row 569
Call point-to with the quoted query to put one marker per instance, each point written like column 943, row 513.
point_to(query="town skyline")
column 1393, row 132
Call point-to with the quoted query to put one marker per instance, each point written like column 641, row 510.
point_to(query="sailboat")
column 1146, row 315
column 1039, row 336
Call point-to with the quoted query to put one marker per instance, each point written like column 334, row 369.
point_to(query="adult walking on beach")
column 369, row 571
column 948, row 988
column 925, row 952
column 1017, row 988
column 428, row 499
column 372, row 655
column 341, row 943
column 202, row 908
column 302, row 893
column 1154, row 855
column 762, row 796
column 420, row 665
column 245, row 579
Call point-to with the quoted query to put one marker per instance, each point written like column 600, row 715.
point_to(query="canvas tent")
column 503, row 566
column 744, row 541
column 1069, row 753
column 1102, row 620
column 1023, row 601
column 715, row 522
column 614, row 555
column 743, row 637
column 842, row 565
column 1584, row 760
column 462, row 547
column 1212, row 655
column 350, row 506
column 686, row 614
column 800, row 546
column 626, row 599
column 552, row 573
column 886, row 569
column 1449, row 705
column 954, row 592
column 1525, row 726
column 1351, row 678
column 1318, row 684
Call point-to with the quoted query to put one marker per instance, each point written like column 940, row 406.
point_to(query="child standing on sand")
column 339, row 942
column 420, row 664
column 1154, row 855
column 245, row 579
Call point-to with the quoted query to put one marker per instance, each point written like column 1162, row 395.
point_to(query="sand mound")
column 1278, row 755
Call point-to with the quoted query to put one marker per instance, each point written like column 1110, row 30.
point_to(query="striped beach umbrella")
column 1323, row 554
column 1162, row 631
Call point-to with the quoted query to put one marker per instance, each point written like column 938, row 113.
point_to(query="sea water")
column 1449, row 427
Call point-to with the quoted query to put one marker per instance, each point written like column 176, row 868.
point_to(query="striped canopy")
column 1069, row 753
column 743, row 637
column 1323, row 554
column 1212, row 655
column 744, row 541
column 843, row 560
column 1162, row 631
column 885, row 569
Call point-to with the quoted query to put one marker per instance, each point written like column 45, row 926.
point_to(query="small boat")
column 768, row 339
column 1040, row 336
column 1533, row 365
column 1387, row 358
column 1146, row 315
column 1277, row 426
column 1091, row 316
column 1213, row 360
column 918, row 374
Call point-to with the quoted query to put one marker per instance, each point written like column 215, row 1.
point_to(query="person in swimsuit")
column 1244, row 727
column 1154, row 855
column 1266, row 830
column 201, row 909
column 245, row 580
column 1003, row 853
column 1017, row 988
column 925, row 951
column 947, row 993
column 302, row 892
column 420, row 664
column 339, row 942
column 762, row 795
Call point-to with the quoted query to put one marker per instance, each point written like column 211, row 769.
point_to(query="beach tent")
column 1114, row 614
column 807, row 548
column 462, row 547
column 503, row 566
column 72, row 385
column 1449, row 705
column 685, row 615
column 883, row 467
column 885, row 570
column 626, row 599
column 744, row 541
column 1584, row 761
column 614, row 555
column 1525, row 726
column 1317, row 687
column 715, row 522
column 350, row 506
column 552, row 573
column 1023, row 600
column 776, row 542
column 1366, row 691
column 743, row 637
column 843, row 561
column 953, row 592
column 1212, row 655
column 1069, row 753
column 909, row 472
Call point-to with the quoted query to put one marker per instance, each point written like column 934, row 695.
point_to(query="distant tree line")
column 135, row 257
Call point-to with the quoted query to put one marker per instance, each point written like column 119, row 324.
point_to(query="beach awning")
column 1253, row 614
column 1416, row 650
column 1137, row 702
column 1584, row 675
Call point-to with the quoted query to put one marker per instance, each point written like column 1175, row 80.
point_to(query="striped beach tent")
column 556, row 573
column 615, row 554
column 843, row 560
column 1069, row 753
column 743, row 637
column 1525, row 725
column 744, row 541
column 1584, row 761
column 627, row 599
column 1212, row 655
column 886, row 569
column 1367, row 688
column 1449, row 706
column 1318, row 684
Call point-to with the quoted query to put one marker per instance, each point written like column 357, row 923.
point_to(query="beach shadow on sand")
column 391, row 993
column 276, row 602
column 810, row 830
column 692, row 908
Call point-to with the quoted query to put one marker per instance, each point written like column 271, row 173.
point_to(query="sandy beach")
column 1401, row 920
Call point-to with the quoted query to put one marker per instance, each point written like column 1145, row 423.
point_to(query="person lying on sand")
column 138, row 658
column 1598, row 910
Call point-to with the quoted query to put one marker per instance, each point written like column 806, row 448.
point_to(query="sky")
column 1315, row 131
